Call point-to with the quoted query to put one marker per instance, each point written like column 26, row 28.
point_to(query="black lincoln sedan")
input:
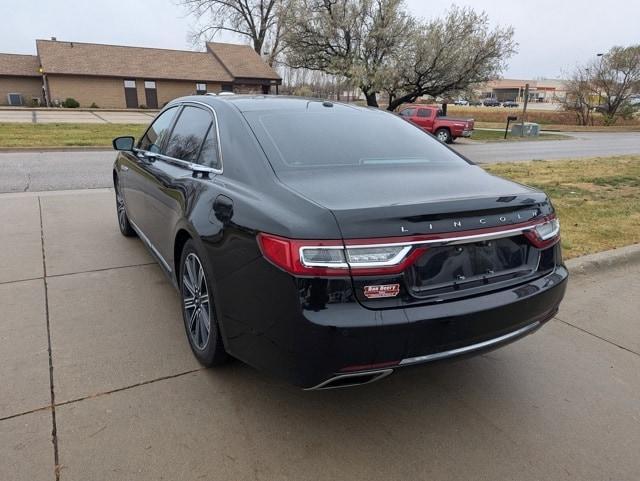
column 330, row 244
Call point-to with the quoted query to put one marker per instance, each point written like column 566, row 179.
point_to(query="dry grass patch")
column 16, row 135
column 597, row 199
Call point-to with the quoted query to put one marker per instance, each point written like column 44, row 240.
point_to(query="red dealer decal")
column 387, row 290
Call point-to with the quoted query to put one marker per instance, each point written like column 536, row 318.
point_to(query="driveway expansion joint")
column 54, row 429
column 604, row 339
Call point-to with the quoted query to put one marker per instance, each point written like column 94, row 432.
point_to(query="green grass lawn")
column 16, row 135
column 597, row 199
column 498, row 136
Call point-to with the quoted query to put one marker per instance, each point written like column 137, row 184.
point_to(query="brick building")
column 114, row 76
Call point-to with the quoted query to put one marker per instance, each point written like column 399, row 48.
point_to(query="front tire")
column 198, row 308
column 123, row 220
column 444, row 136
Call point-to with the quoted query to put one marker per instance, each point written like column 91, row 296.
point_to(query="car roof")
column 252, row 103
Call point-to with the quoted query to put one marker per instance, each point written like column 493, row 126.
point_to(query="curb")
column 600, row 261
column 79, row 148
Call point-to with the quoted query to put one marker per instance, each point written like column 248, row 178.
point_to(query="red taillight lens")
column 332, row 258
column 285, row 253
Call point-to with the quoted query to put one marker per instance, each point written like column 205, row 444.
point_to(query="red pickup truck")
column 430, row 119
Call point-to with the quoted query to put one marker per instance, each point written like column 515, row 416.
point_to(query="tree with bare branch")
column 615, row 77
column 447, row 55
column 379, row 46
column 259, row 21
column 580, row 96
column 352, row 38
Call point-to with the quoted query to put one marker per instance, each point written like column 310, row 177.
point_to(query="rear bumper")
column 320, row 332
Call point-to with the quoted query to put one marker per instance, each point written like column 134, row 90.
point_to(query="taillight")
column 385, row 256
column 545, row 234
column 332, row 258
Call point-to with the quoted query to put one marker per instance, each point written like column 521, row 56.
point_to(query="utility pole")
column 524, row 109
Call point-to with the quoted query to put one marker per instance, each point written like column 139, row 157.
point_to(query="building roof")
column 19, row 65
column 76, row 58
column 242, row 61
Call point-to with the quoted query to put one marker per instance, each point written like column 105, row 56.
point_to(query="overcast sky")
column 553, row 35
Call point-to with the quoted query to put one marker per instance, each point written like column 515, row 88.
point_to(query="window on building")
column 188, row 134
column 149, row 84
column 227, row 87
column 129, row 84
column 201, row 89
column 155, row 134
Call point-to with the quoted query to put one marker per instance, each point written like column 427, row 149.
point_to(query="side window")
column 152, row 139
column 408, row 112
column 210, row 153
column 424, row 113
column 188, row 134
column 440, row 113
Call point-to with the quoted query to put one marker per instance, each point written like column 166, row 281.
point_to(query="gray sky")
column 553, row 35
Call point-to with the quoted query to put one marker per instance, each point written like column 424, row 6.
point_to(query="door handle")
column 223, row 208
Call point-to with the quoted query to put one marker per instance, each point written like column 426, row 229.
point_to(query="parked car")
column 490, row 102
column 430, row 119
column 330, row 244
column 461, row 102
column 475, row 103
column 510, row 104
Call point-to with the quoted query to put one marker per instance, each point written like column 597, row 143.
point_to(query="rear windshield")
column 342, row 136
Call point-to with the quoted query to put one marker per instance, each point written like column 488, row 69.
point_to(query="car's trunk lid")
column 396, row 206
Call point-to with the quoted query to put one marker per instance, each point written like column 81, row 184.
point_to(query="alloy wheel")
column 442, row 136
column 122, row 213
column 195, row 300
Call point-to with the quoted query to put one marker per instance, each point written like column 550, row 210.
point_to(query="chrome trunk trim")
column 471, row 348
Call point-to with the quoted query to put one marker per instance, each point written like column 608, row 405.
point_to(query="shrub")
column 70, row 103
column 142, row 106
column 94, row 106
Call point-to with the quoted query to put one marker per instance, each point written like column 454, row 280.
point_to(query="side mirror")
column 123, row 143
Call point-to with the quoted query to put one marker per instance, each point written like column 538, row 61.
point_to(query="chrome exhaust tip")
column 351, row 379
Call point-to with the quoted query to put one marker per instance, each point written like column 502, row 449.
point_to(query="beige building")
column 20, row 79
column 115, row 76
column 546, row 90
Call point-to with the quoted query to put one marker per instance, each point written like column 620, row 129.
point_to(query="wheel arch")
column 182, row 236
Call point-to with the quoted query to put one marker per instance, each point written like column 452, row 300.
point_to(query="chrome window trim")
column 150, row 245
column 473, row 347
column 191, row 165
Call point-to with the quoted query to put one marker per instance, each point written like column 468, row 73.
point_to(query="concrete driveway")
column 92, row 349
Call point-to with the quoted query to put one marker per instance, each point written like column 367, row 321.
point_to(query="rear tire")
column 123, row 220
column 444, row 136
column 199, row 309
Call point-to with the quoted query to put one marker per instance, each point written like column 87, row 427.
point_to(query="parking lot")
column 93, row 349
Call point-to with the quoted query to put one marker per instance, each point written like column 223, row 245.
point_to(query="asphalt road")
column 583, row 144
column 42, row 171
column 93, row 350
